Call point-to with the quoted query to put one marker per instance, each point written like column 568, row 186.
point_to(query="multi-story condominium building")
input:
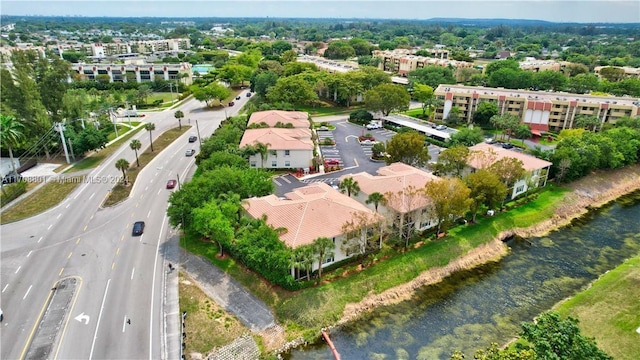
column 142, row 47
column 542, row 65
column 403, row 63
column 542, row 111
column 629, row 72
column 287, row 148
column 139, row 72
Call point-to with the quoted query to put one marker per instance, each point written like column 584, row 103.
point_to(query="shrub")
column 360, row 116
column 13, row 191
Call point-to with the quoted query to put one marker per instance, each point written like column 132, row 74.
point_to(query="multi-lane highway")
column 116, row 308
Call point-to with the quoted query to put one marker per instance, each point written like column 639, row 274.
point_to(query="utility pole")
column 178, row 177
column 115, row 127
column 199, row 137
column 60, row 128
column 171, row 89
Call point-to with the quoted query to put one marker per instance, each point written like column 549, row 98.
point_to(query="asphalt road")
column 121, row 277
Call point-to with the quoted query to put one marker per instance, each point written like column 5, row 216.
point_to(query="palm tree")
column 135, row 145
column 11, row 133
column 376, row 199
column 263, row 149
column 179, row 115
column 123, row 165
column 150, row 127
column 323, row 247
column 349, row 186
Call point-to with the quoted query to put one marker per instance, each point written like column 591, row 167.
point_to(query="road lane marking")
column 49, row 228
column 73, row 304
column 35, row 325
column 40, row 239
column 122, row 238
column 91, row 197
column 91, row 218
column 29, row 254
column 5, row 287
column 113, row 265
column 137, row 204
column 95, row 335
column 133, row 271
column 85, row 228
column 159, row 191
column 141, row 196
column 78, row 241
column 153, row 287
column 132, row 214
column 117, row 251
column 18, row 269
column 124, row 322
column 356, row 161
column 58, row 217
column 27, row 293
column 66, row 207
column 141, row 237
column 149, row 214
column 61, row 270
column 69, row 255
column 146, row 188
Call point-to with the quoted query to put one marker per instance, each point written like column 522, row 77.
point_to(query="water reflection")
column 472, row 309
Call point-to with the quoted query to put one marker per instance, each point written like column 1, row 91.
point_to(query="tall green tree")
column 507, row 123
column 123, row 165
column 409, row 148
column 11, row 134
column 452, row 161
column 212, row 223
column 292, row 90
column 423, row 94
column 449, row 201
column 432, row 76
column 485, row 111
column 150, row 127
column 386, row 98
column 486, row 189
column 350, row 186
column 135, row 145
column 589, row 122
column 323, row 248
column 209, row 93
column 179, row 115
column 376, row 199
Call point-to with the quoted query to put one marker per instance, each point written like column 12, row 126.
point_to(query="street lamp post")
column 199, row 137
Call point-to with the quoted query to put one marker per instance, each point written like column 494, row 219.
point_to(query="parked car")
column 138, row 228
column 193, row 138
column 507, row 146
column 231, row 103
column 190, row 152
column 171, row 184
column 332, row 162
column 238, row 97
column 373, row 126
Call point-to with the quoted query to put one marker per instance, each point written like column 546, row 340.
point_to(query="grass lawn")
column 40, row 200
column 96, row 158
column 304, row 312
column 416, row 112
column 609, row 310
column 325, row 109
column 207, row 325
column 120, row 192
column 121, row 130
column 164, row 96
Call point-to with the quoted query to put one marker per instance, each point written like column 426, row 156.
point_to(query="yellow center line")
column 122, row 238
column 61, row 270
column 118, row 251
column 69, row 254
column 113, row 264
column 85, row 227
column 78, row 241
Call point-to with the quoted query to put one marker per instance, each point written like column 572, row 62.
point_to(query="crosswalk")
column 324, row 180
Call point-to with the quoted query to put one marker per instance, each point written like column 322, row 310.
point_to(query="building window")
column 274, row 163
column 328, row 260
column 287, row 163
column 287, row 152
column 252, row 164
column 519, row 189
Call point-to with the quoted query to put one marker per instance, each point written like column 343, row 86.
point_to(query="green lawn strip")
column 120, row 192
column 327, row 110
column 96, row 158
column 207, row 325
column 609, row 310
column 48, row 196
column 304, row 312
column 121, row 130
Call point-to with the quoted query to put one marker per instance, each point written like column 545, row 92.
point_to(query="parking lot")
column 348, row 153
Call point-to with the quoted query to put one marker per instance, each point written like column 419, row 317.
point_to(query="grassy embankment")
column 52, row 193
column 207, row 325
column 121, row 192
column 609, row 310
column 304, row 312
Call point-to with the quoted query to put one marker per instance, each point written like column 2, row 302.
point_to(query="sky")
column 611, row 11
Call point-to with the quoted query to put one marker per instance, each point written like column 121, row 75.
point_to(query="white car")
column 373, row 126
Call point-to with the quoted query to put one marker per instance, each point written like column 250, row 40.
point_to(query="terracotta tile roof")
column 316, row 210
column 396, row 182
column 298, row 119
column 279, row 138
column 529, row 162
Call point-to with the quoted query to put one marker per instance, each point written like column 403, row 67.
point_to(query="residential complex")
column 542, row 111
column 404, row 62
column 484, row 155
column 629, row 72
column 138, row 71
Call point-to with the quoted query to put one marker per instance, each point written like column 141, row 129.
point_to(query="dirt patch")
column 590, row 192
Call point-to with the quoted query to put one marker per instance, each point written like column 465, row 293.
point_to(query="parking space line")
column 277, row 182
column 285, row 180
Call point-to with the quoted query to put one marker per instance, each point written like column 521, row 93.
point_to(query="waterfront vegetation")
column 609, row 310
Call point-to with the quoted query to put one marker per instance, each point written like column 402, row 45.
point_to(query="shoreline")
column 589, row 193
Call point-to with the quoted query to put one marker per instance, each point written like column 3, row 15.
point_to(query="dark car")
column 231, row 103
column 171, row 184
column 248, row 94
column 193, row 138
column 189, row 152
column 238, row 97
column 507, row 146
column 138, row 228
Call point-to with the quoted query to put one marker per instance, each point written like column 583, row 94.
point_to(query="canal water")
column 471, row 310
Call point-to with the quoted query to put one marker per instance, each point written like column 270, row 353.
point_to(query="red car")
column 231, row 103
column 171, row 184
